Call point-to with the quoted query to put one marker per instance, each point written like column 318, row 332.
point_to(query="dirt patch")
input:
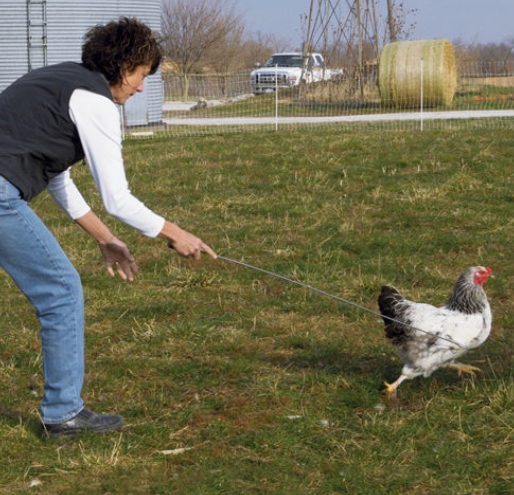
column 489, row 81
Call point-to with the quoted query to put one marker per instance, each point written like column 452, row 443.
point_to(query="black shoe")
column 85, row 420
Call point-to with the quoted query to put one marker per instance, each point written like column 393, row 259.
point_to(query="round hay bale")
column 402, row 65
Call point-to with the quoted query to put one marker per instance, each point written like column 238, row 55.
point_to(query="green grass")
column 232, row 381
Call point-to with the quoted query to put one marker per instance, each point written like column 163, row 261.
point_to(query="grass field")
column 236, row 382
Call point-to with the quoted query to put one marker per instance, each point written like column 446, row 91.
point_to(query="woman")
column 49, row 119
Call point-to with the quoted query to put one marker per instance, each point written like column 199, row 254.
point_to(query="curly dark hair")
column 125, row 44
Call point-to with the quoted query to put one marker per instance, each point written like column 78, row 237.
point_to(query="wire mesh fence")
column 207, row 103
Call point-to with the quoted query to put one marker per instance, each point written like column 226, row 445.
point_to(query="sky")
column 470, row 21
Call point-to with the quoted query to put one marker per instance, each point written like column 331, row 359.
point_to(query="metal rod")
column 346, row 301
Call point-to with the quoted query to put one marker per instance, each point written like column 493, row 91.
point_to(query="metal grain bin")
column 34, row 33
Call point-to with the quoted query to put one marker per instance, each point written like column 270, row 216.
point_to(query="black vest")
column 38, row 139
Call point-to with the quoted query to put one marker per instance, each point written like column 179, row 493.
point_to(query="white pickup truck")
column 285, row 70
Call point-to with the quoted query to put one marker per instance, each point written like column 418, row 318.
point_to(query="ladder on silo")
column 37, row 41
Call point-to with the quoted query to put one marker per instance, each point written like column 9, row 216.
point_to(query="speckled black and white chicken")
column 429, row 338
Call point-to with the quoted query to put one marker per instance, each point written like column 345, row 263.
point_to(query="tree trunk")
column 390, row 21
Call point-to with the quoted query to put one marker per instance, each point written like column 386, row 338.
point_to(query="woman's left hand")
column 117, row 256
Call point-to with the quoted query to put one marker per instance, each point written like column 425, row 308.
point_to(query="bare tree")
column 352, row 32
column 193, row 30
column 391, row 21
column 397, row 16
column 496, row 59
column 259, row 46
column 222, row 57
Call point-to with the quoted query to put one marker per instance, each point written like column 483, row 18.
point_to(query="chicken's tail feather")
column 396, row 325
column 387, row 300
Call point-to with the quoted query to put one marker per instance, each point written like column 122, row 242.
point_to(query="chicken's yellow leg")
column 390, row 388
column 463, row 368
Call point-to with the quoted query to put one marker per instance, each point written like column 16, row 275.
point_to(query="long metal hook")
column 346, row 301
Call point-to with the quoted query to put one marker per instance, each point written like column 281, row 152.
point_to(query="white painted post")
column 276, row 97
column 421, row 93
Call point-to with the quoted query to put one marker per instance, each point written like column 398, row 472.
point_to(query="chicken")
column 429, row 338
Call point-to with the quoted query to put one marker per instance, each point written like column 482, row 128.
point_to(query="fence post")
column 276, row 97
column 421, row 92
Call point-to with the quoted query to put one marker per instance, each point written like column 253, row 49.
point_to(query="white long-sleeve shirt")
column 98, row 122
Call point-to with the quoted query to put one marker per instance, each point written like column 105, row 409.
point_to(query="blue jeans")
column 31, row 255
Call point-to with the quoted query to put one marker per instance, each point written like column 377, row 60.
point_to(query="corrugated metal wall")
column 42, row 32
column 13, row 41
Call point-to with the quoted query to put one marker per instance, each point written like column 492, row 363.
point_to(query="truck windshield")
column 284, row 61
